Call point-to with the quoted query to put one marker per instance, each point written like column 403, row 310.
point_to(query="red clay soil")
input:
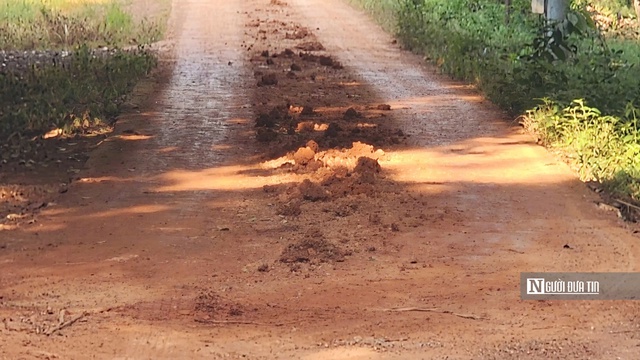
column 296, row 186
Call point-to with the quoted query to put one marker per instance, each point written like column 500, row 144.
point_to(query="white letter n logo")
column 535, row 286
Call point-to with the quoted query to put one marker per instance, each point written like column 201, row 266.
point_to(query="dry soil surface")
column 293, row 185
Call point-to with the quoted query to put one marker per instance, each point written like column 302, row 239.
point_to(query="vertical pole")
column 556, row 10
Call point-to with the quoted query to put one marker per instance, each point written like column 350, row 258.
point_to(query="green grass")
column 31, row 24
column 384, row 11
column 88, row 90
column 585, row 106
column 86, row 93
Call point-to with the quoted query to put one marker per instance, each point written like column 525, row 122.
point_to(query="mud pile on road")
column 330, row 174
column 303, row 93
column 322, row 131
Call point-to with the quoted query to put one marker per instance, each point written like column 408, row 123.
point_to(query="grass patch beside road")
column 86, row 92
column 577, row 90
column 36, row 24
column 52, row 77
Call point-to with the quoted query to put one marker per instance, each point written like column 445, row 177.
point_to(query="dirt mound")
column 268, row 80
column 351, row 113
column 297, row 34
column 350, row 183
column 300, row 82
column 312, row 191
column 361, row 160
column 333, row 130
column 291, row 208
column 323, row 60
column 313, row 249
column 353, row 171
column 367, row 169
column 307, row 110
column 313, row 146
column 209, row 305
column 287, row 53
column 304, row 155
column 330, row 62
column 310, row 46
column 348, row 158
column 277, row 116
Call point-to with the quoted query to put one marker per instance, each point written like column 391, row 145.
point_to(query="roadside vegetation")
column 68, row 65
column 575, row 84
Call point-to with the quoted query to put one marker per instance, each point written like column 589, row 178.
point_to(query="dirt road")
column 287, row 183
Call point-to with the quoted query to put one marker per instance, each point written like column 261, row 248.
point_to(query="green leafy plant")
column 86, row 91
column 575, row 85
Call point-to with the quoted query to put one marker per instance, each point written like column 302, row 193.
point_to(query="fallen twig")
column 464, row 316
column 63, row 324
column 69, row 322
column 628, row 204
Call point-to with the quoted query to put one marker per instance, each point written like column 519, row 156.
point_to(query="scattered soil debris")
column 300, row 33
column 208, row 305
column 312, row 191
column 351, row 113
column 310, row 46
column 313, row 249
column 268, row 80
column 291, row 208
column 307, row 111
column 304, row 155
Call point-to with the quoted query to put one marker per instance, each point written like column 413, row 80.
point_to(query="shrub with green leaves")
column 86, row 90
column 576, row 86
column 42, row 90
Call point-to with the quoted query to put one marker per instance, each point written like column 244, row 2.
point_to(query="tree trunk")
column 636, row 4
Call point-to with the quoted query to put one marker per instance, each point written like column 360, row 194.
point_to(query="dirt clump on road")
column 326, row 139
column 209, row 305
column 299, row 33
column 312, row 191
column 313, row 249
column 310, row 46
column 268, row 80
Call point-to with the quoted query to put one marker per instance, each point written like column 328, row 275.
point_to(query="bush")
column 43, row 90
column 86, row 91
column 576, row 86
